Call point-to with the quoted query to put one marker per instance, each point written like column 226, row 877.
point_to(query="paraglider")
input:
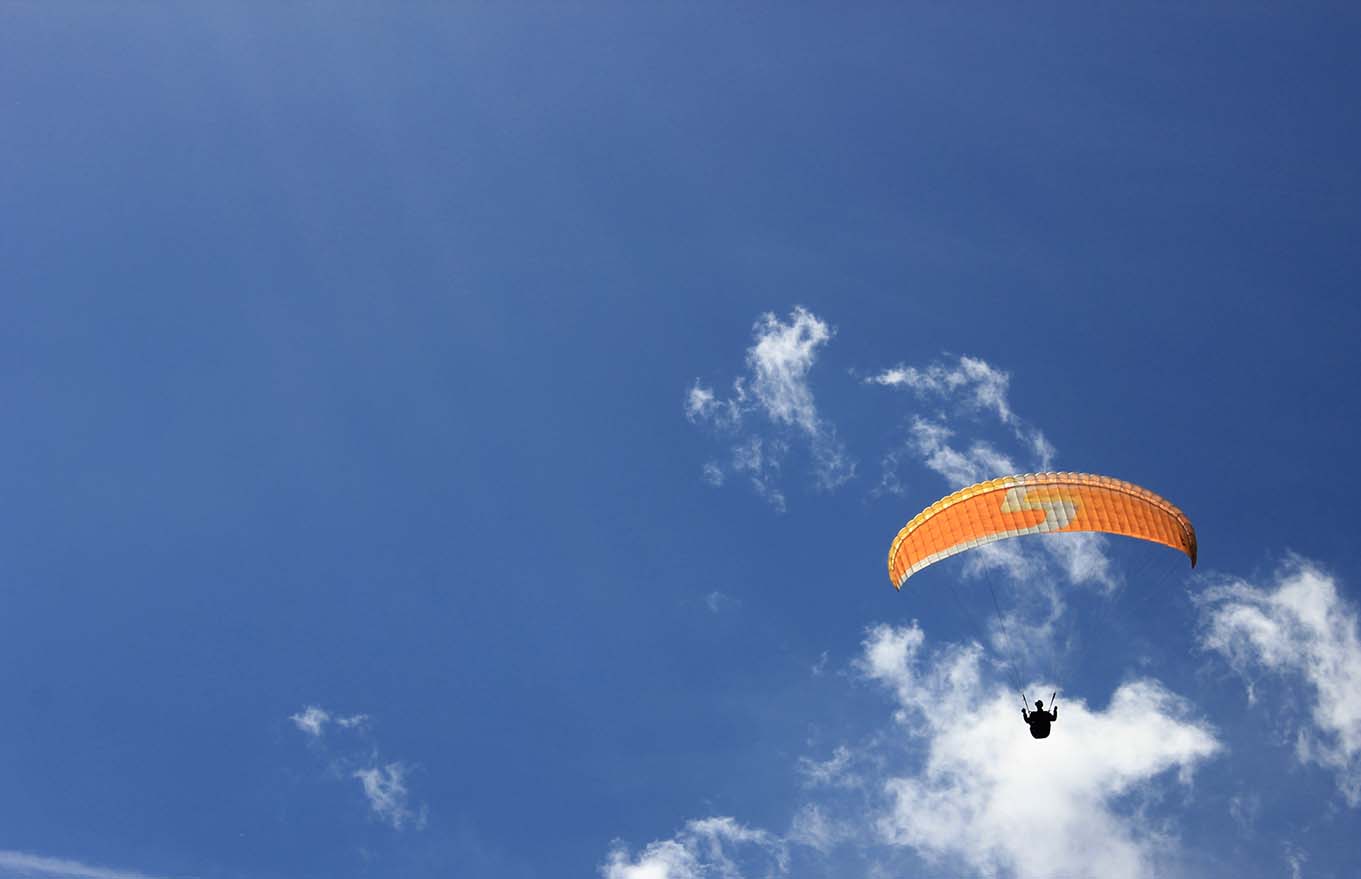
column 1039, row 719
column 1036, row 503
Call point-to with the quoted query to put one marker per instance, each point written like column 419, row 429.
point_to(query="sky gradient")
column 466, row 440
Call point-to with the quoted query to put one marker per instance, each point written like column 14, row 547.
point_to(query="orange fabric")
column 1036, row 503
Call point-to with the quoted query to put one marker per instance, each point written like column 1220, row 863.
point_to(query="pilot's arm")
column 1055, row 712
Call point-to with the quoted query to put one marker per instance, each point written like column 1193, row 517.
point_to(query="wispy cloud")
column 356, row 756
column 704, row 848
column 760, row 462
column 702, row 405
column 814, row 828
column 385, row 787
column 772, row 405
column 1300, row 627
column 952, row 441
column 354, row 721
column 313, row 720
column 834, row 771
column 981, row 384
column 25, row 864
column 977, row 461
column 977, row 384
column 1295, row 859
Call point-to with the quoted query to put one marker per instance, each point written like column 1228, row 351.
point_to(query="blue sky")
column 384, row 392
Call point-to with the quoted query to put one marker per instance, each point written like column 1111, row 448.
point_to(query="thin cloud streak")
column 25, row 864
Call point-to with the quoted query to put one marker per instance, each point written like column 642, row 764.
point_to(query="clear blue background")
column 344, row 351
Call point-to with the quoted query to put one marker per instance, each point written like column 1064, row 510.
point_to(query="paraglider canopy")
column 1035, row 503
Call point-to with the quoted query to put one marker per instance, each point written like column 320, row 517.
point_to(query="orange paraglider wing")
column 1035, row 503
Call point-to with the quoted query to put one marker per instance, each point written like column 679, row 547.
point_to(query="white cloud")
column 665, row 859
column 813, row 828
column 987, row 792
column 888, row 657
column 976, row 386
column 890, row 480
column 24, row 864
column 311, row 720
column 1302, row 628
column 1081, row 556
column 1295, row 859
column 775, row 396
column 980, row 384
column 761, row 464
column 701, row 404
column 710, row 847
column 979, row 461
column 385, row 787
column 353, row 722
column 834, row 771
column 1040, row 447
column 977, row 795
column 780, row 360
